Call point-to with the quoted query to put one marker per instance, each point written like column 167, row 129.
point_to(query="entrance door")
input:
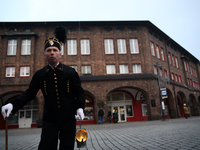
column 120, row 110
column 25, row 118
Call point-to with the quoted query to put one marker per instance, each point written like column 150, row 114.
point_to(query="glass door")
column 25, row 118
column 120, row 110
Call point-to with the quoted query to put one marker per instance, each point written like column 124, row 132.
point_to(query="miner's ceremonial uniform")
column 63, row 95
column 62, row 92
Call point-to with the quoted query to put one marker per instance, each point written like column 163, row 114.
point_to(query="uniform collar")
column 59, row 66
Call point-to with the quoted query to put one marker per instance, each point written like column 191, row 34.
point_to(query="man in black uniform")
column 63, row 95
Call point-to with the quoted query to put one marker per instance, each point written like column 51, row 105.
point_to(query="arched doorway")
column 181, row 99
column 129, row 104
column 191, row 104
column 89, row 109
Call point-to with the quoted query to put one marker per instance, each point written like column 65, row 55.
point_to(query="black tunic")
column 62, row 92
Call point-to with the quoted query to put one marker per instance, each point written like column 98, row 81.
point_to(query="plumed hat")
column 60, row 37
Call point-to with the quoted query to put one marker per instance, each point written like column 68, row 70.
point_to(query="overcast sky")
column 179, row 19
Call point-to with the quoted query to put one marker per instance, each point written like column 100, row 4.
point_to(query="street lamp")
column 158, row 65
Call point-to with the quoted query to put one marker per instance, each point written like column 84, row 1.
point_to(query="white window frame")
column 26, row 47
column 157, row 51
column 134, row 46
column 137, row 68
column 10, row 72
column 25, row 71
column 75, row 67
column 121, row 44
column 162, row 54
column 12, row 47
column 62, row 48
column 155, row 70
column 86, row 70
column 72, row 47
column 85, row 46
column 110, row 69
column 123, row 69
column 176, row 62
column 152, row 49
column 108, row 43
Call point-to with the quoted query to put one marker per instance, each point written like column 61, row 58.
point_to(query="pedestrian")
column 63, row 97
column 109, row 115
column 101, row 114
column 186, row 112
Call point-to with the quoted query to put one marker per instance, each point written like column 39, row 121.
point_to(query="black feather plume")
column 60, row 34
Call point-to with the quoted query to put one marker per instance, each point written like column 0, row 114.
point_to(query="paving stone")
column 173, row 134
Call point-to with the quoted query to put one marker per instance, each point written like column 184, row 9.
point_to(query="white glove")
column 80, row 114
column 9, row 107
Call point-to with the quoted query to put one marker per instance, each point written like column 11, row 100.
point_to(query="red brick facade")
column 98, row 85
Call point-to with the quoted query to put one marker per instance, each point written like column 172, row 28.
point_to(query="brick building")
column 122, row 66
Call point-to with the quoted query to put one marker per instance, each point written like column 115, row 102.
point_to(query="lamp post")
column 158, row 65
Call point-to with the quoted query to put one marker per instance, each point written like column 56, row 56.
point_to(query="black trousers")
column 51, row 132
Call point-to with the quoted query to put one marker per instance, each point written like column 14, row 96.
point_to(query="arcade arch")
column 130, row 104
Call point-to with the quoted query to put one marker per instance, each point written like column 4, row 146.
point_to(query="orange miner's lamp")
column 81, row 137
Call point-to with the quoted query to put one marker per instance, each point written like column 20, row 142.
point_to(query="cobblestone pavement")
column 172, row 134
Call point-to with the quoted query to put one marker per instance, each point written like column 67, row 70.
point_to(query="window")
column 176, row 62
column 144, row 110
column 85, row 70
column 157, row 51
column 26, row 47
column 170, row 58
column 165, row 73
column 134, row 46
column 121, row 46
column 162, row 54
column 152, row 49
column 155, row 70
column 129, row 110
column 72, row 48
column 188, row 68
column 110, row 69
column 161, row 72
column 172, row 75
column 173, row 60
column 123, row 69
column 136, row 68
column 62, row 49
column 185, row 65
column 24, row 71
column 176, row 78
column 85, row 47
column 12, row 47
column 10, row 71
column 75, row 67
column 179, row 78
column 108, row 46
column 188, row 81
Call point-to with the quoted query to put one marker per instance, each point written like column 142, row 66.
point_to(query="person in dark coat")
column 63, row 98
column 101, row 114
column 109, row 115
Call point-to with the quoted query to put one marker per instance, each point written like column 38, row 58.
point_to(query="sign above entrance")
column 163, row 93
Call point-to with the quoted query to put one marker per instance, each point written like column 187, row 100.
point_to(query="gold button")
column 56, row 82
column 58, row 98
column 54, row 74
column 57, row 94
column 56, row 90
column 55, row 78
column 56, row 86
column 58, row 102
column 58, row 106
